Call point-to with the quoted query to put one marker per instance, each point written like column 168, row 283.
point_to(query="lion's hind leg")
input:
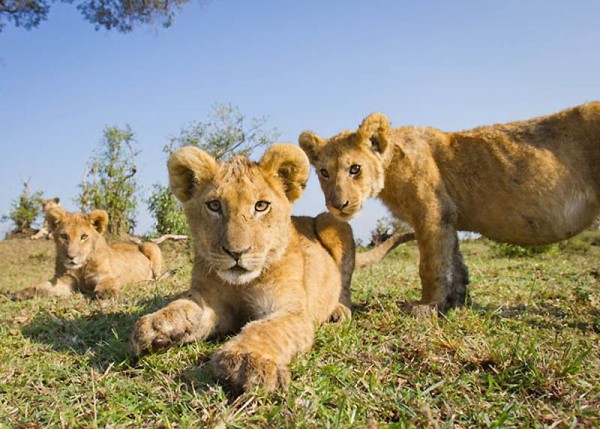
column 152, row 252
column 336, row 236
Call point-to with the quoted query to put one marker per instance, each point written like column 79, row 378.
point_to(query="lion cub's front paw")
column 105, row 292
column 242, row 371
column 154, row 332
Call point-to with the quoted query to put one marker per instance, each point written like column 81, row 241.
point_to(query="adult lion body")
column 258, row 272
column 84, row 260
column 527, row 182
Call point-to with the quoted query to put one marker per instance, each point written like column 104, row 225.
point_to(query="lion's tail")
column 373, row 256
column 152, row 252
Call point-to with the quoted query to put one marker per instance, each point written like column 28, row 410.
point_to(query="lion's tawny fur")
column 528, row 182
column 85, row 261
column 258, row 272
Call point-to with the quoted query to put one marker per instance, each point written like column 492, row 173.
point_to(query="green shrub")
column 25, row 209
column 516, row 251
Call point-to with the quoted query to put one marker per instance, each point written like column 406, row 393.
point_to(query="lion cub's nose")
column 235, row 254
column 339, row 205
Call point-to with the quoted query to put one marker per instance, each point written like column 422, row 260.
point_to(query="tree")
column 226, row 133
column 109, row 183
column 25, row 209
column 385, row 228
column 122, row 15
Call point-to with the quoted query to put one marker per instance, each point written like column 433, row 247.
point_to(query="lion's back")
column 129, row 263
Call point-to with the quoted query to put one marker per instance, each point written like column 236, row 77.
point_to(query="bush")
column 25, row 209
column 167, row 212
column 516, row 251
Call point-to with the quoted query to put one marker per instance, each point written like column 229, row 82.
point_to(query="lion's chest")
column 255, row 303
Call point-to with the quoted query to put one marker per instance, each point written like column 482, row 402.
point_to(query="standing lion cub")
column 84, row 260
column 528, row 182
column 258, row 272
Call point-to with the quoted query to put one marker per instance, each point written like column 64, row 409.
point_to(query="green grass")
column 525, row 354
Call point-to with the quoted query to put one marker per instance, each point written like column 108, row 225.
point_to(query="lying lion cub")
column 85, row 261
column 529, row 182
column 257, row 272
column 44, row 231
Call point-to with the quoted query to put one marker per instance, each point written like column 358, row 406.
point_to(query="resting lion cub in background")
column 528, row 182
column 258, row 272
column 84, row 260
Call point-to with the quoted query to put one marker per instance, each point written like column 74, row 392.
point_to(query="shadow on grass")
column 543, row 316
column 100, row 336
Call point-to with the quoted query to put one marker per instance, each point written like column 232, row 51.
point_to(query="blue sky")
column 319, row 65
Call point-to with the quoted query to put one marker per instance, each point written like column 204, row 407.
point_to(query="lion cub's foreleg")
column 182, row 321
column 444, row 275
column 261, row 354
column 57, row 287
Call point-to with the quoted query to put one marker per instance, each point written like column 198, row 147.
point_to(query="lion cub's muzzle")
column 73, row 262
column 344, row 211
column 238, row 266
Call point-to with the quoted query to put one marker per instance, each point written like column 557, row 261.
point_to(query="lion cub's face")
column 239, row 211
column 75, row 234
column 350, row 165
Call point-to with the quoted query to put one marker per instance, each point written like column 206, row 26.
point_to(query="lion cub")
column 44, row 231
column 527, row 182
column 84, row 260
column 258, row 271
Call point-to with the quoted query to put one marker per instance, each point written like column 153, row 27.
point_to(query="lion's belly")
column 532, row 218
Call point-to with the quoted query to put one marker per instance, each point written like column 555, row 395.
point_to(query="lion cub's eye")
column 214, row 205
column 354, row 169
column 324, row 173
column 64, row 237
column 84, row 237
column 261, row 206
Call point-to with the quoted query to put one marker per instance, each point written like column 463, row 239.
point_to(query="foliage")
column 167, row 211
column 121, row 15
column 385, row 227
column 226, row 133
column 525, row 355
column 516, row 251
column 108, row 182
column 25, row 209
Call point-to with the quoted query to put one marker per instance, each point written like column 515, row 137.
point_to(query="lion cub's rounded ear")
column 311, row 144
column 54, row 216
column 375, row 132
column 99, row 220
column 189, row 167
column 290, row 164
